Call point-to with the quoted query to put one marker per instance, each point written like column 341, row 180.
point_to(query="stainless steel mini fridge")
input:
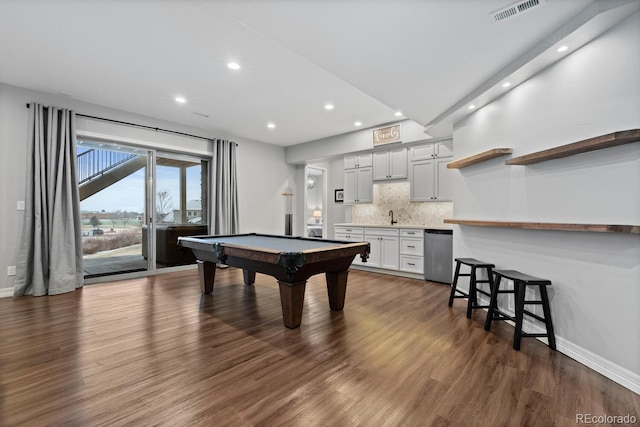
column 438, row 255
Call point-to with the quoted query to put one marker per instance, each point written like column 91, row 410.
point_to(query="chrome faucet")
column 392, row 220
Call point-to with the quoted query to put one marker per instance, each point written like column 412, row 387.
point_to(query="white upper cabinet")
column 430, row 151
column 358, row 178
column 444, row 181
column 421, row 177
column 358, row 160
column 390, row 164
column 358, row 185
column 443, row 149
column 429, row 177
column 421, row 152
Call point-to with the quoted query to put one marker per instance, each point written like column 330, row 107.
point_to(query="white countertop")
column 403, row 226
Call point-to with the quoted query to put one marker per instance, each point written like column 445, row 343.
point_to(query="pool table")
column 291, row 260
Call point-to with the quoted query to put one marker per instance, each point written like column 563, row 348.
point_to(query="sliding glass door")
column 112, row 182
column 180, row 205
column 134, row 205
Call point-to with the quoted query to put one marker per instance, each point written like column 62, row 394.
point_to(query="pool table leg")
column 207, row 273
column 249, row 277
column 292, row 301
column 336, row 288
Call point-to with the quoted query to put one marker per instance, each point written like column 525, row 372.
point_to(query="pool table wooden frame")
column 290, row 268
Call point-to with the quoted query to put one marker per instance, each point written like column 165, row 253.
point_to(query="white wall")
column 338, row 212
column 596, row 277
column 262, row 171
column 263, row 176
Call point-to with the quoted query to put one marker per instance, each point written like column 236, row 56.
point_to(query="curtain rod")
column 142, row 126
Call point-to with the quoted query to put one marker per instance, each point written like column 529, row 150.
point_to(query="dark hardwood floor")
column 154, row 351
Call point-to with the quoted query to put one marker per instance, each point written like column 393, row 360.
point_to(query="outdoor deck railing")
column 94, row 163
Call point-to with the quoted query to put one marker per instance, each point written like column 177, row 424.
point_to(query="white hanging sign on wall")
column 387, row 135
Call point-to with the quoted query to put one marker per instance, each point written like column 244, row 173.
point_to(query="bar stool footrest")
column 538, row 335
column 535, row 316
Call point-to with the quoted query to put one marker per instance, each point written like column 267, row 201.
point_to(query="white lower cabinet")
column 412, row 250
column 385, row 244
column 351, row 234
column 399, row 249
column 384, row 252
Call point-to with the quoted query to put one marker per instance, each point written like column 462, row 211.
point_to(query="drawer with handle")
column 412, row 233
column 350, row 237
column 349, row 230
column 411, row 264
column 411, row 246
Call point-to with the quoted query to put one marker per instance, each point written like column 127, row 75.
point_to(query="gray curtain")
column 50, row 257
column 224, row 188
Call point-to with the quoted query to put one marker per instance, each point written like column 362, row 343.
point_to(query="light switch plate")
column 21, row 205
column 11, row 270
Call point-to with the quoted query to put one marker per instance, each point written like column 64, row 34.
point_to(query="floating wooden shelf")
column 598, row 228
column 477, row 158
column 591, row 144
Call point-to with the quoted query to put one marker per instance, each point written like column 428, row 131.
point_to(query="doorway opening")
column 315, row 202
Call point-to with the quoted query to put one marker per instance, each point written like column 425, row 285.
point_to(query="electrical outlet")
column 21, row 205
column 11, row 270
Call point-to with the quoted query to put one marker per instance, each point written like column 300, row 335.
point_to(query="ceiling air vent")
column 515, row 10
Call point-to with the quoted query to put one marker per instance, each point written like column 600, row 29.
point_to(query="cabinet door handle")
column 410, row 232
column 410, row 263
column 412, row 247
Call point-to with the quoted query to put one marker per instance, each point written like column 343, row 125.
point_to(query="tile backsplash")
column 395, row 196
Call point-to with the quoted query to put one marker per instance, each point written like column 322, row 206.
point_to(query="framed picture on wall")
column 339, row 195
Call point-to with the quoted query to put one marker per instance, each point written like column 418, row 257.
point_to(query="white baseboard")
column 614, row 372
column 6, row 292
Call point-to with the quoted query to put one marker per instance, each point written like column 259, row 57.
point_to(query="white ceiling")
column 369, row 58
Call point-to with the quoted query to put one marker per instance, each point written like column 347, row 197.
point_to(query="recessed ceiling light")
column 506, row 84
column 357, row 124
column 471, row 107
column 563, row 48
column 398, row 113
column 328, row 107
column 233, row 65
column 180, row 100
column 271, row 125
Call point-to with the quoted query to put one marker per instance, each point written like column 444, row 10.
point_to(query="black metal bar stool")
column 521, row 281
column 472, row 295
